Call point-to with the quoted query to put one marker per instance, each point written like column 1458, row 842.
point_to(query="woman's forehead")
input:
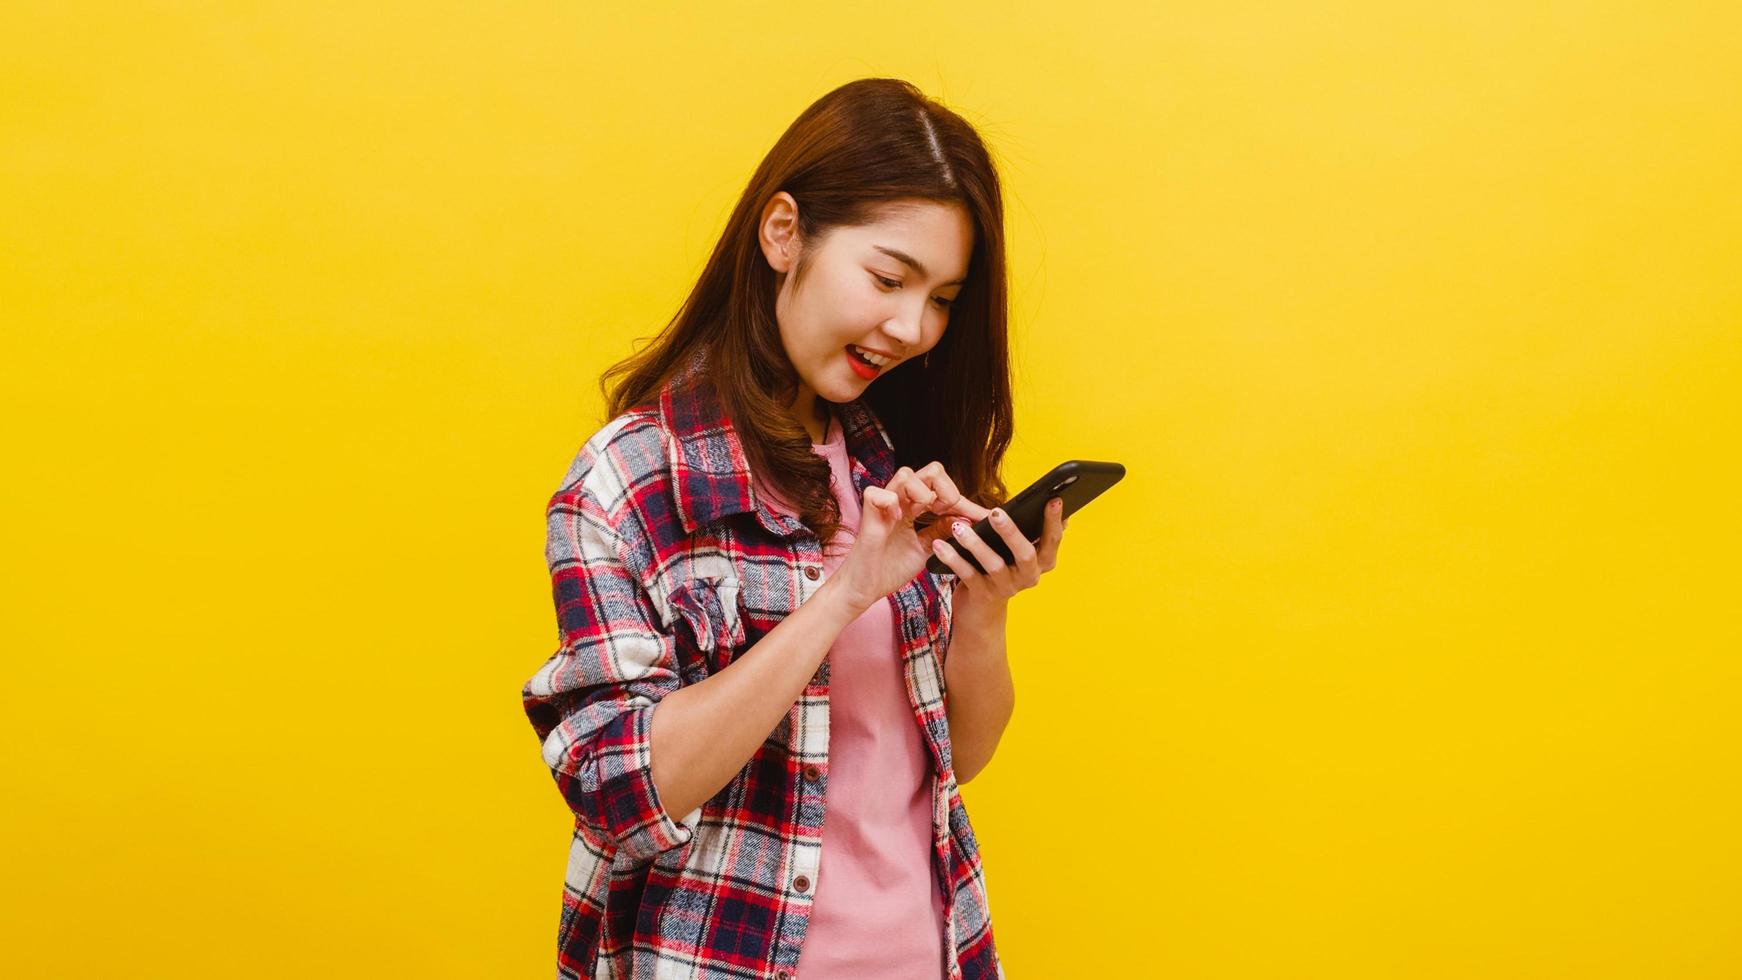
column 938, row 242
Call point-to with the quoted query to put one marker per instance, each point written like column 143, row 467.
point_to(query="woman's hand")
column 982, row 594
column 889, row 551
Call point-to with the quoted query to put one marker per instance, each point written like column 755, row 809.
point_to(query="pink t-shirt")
column 877, row 911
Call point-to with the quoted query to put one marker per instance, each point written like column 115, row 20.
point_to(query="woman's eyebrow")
column 917, row 267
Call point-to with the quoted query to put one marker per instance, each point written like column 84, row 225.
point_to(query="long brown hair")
column 852, row 153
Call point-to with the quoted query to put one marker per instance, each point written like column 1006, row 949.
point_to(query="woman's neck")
column 812, row 413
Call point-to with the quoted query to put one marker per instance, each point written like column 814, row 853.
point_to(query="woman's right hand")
column 889, row 551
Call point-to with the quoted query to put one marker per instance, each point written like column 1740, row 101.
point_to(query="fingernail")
column 960, row 528
column 997, row 517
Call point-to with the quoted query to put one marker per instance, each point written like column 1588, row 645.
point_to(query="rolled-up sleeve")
column 592, row 702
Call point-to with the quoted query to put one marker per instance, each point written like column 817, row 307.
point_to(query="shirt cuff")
column 633, row 814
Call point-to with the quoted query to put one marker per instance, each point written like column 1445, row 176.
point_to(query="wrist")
column 981, row 613
column 839, row 597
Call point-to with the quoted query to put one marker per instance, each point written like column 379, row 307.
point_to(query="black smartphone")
column 1076, row 481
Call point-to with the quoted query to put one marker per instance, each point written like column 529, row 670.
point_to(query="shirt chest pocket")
column 708, row 619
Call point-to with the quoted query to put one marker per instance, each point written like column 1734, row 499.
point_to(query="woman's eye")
column 943, row 304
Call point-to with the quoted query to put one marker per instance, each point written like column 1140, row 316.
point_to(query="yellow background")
column 1408, row 647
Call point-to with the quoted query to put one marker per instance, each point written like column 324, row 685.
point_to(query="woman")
column 726, row 685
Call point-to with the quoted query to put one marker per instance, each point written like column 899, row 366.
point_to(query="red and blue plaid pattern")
column 664, row 566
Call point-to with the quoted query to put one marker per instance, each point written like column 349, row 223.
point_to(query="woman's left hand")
column 988, row 592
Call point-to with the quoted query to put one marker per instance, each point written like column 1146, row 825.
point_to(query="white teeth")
column 877, row 359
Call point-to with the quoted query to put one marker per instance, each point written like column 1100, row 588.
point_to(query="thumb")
column 967, row 508
column 885, row 503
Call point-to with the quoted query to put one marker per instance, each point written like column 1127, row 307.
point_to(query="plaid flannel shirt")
column 664, row 567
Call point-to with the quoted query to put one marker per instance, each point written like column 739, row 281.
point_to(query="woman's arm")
column 703, row 733
column 600, row 703
column 979, row 694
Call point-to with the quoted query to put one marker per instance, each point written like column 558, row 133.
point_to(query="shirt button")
column 812, row 773
column 811, row 572
column 783, row 975
column 802, row 883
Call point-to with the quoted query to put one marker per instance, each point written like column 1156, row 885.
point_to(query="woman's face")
column 885, row 287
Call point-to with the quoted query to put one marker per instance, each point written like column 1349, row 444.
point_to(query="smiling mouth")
column 862, row 367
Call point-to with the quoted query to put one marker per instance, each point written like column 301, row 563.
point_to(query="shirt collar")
column 710, row 472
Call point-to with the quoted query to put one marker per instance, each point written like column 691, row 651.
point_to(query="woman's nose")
column 904, row 329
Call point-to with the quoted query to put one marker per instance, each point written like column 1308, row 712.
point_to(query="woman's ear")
column 778, row 231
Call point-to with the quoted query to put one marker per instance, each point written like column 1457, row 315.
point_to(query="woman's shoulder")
column 616, row 463
column 613, row 500
column 630, row 445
